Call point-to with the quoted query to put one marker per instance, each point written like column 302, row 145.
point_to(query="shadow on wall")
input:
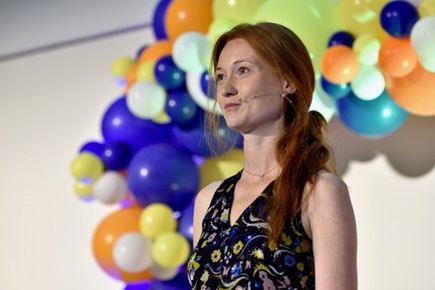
column 410, row 150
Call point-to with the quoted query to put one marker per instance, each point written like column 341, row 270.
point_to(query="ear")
column 288, row 88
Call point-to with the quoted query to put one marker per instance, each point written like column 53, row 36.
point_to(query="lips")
column 230, row 106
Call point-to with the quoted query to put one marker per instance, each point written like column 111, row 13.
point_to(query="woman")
column 285, row 221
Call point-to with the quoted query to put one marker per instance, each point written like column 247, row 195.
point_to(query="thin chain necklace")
column 263, row 174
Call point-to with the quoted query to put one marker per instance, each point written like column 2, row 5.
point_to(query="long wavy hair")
column 301, row 150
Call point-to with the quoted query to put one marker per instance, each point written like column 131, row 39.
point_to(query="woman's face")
column 248, row 89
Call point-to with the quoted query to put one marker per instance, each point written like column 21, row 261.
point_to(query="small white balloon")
column 369, row 83
column 423, row 41
column 146, row 99
column 193, row 82
column 132, row 252
column 416, row 3
column 189, row 50
column 163, row 273
column 110, row 188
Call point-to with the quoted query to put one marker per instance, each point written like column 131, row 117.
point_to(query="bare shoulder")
column 202, row 202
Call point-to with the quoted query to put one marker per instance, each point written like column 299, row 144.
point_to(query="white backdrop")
column 50, row 103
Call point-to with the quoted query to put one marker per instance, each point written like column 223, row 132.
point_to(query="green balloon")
column 312, row 20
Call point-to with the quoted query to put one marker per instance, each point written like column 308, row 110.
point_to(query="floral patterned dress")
column 239, row 257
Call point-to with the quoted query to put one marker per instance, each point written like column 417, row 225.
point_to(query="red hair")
column 300, row 150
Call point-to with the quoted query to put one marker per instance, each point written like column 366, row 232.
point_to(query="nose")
column 228, row 89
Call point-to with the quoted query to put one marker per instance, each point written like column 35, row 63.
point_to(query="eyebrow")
column 239, row 61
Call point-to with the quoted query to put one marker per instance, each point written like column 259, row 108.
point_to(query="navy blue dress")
column 239, row 257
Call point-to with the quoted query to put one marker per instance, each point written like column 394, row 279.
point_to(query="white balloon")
column 163, row 273
column 423, row 41
column 189, row 51
column 369, row 83
column 322, row 102
column 193, row 82
column 132, row 252
column 110, row 188
column 146, row 99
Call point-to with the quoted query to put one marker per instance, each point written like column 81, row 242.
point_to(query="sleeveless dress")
column 239, row 257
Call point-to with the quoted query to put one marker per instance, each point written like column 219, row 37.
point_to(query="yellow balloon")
column 156, row 219
column 426, row 8
column 241, row 10
column 162, row 118
column 170, row 250
column 361, row 16
column 145, row 71
column 83, row 190
column 313, row 21
column 121, row 66
column 87, row 165
column 221, row 167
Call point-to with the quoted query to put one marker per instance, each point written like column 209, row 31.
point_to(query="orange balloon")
column 105, row 236
column 397, row 57
column 415, row 92
column 339, row 64
column 156, row 51
column 131, row 75
column 188, row 15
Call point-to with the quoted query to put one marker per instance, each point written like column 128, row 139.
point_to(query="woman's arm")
column 333, row 229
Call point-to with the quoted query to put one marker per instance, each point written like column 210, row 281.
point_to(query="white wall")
column 52, row 102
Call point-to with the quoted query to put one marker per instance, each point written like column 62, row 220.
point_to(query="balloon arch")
column 375, row 65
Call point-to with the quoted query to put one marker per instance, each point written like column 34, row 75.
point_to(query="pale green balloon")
column 220, row 26
column 369, row 83
column 241, row 10
column 146, row 99
column 367, row 47
column 189, row 50
column 423, row 41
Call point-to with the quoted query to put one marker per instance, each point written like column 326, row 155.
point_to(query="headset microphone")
column 248, row 99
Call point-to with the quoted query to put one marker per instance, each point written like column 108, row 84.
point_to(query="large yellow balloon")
column 426, row 8
column 361, row 16
column 87, row 165
column 241, row 10
column 312, row 20
column 156, row 219
column 221, row 167
column 170, row 250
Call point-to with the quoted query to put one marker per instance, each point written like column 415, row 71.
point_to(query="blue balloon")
column 116, row 156
column 205, row 81
column 185, row 223
column 336, row 91
column 93, row 147
column 163, row 173
column 119, row 124
column 180, row 282
column 398, row 18
column 375, row 118
column 194, row 139
column 159, row 19
column 139, row 286
column 341, row 38
column 167, row 74
column 180, row 107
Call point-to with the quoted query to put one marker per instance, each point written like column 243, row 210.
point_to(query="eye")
column 242, row 70
column 219, row 77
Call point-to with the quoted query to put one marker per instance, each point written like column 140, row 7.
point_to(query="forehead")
column 236, row 50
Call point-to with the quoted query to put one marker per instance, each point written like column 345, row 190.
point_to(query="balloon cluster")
column 382, row 67
column 154, row 156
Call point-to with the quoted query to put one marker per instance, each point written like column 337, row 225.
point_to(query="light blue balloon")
column 375, row 118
